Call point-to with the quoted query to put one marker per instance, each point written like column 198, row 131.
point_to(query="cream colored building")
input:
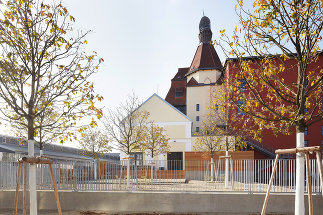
column 176, row 124
column 199, row 96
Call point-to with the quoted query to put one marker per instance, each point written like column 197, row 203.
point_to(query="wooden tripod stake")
column 306, row 151
column 37, row 160
column 231, row 169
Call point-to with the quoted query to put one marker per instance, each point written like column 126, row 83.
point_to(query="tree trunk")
column 299, row 195
column 212, row 168
column 152, row 172
column 95, row 169
column 32, row 168
column 128, row 173
column 32, row 179
column 226, row 175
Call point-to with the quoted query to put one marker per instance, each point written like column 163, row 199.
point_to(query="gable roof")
column 192, row 82
column 205, row 58
column 168, row 105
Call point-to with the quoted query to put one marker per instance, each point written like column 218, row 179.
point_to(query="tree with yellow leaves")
column 209, row 140
column 155, row 142
column 43, row 66
column 283, row 91
column 125, row 126
column 229, row 123
column 94, row 143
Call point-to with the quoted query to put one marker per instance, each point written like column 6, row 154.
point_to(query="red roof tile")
column 205, row 58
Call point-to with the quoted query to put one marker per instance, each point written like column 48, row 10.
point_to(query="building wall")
column 283, row 141
column 205, row 76
column 161, row 111
column 201, row 94
column 177, row 126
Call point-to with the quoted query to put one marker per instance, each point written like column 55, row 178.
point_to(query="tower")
column 203, row 77
column 192, row 86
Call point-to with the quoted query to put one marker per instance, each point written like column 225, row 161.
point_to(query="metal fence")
column 248, row 176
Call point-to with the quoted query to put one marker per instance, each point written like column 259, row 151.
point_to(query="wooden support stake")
column 309, row 184
column 25, row 189
column 55, row 189
column 264, row 207
column 17, row 189
column 299, row 149
column 319, row 164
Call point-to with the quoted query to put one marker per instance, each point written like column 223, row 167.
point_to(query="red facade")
column 313, row 134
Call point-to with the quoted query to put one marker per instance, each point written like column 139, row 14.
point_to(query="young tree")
column 94, row 143
column 283, row 91
column 155, row 142
column 210, row 140
column 43, row 66
column 126, row 127
column 228, row 121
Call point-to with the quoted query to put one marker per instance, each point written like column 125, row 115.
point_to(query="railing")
column 248, row 176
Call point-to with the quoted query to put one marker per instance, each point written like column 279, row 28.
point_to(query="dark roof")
column 205, row 23
column 13, row 145
column 180, row 75
column 205, row 58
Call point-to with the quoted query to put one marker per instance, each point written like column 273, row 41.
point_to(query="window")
column 197, row 129
column 241, row 105
column 216, row 107
column 179, row 92
column 197, row 118
column 197, row 107
column 305, row 143
column 242, row 85
column 138, row 158
column 306, row 131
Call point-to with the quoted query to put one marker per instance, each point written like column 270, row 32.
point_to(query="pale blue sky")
column 143, row 42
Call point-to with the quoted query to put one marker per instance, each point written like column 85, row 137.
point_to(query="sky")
column 144, row 42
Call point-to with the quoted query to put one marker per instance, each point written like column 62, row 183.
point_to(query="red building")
column 313, row 133
column 206, row 58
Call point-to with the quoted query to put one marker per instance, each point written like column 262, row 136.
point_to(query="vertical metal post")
column 309, row 184
column 17, row 189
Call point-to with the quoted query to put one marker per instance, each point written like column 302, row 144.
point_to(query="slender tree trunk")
column 95, row 169
column 226, row 176
column 32, row 168
column 212, row 168
column 128, row 173
column 300, row 174
column 152, row 171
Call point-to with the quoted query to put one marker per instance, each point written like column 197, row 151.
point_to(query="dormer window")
column 179, row 92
